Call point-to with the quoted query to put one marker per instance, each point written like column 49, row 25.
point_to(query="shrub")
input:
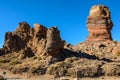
column 111, row 69
column 85, row 71
column 117, row 53
column 37, row 70
column 15, row 62
column 71, row 59
column 20, row 69
column 34, row 57
column 39, row 58
column 59, row 69
column 4, row 61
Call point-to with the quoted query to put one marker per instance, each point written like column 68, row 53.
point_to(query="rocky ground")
column 93, row 60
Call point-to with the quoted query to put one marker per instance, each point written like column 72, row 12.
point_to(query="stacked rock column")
column 99, row 24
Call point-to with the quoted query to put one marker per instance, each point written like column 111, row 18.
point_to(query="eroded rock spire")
column 99, row 24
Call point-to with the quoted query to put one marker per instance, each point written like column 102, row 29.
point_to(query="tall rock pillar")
column 99, row 24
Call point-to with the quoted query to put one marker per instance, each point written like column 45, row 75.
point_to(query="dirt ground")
column 11, row 76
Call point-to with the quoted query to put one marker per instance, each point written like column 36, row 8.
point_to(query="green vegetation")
column 15, row 62
column 34, row 57
column 4, row 60
column 39, row 58
column 117, row 53
column 58, row 69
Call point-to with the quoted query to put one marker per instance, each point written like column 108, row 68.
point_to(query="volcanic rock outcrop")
column 39, row 39
column 18, row 39
column 54, row 43
column 99, row 24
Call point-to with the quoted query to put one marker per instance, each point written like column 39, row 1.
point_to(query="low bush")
column 4, row 61
column 59, row 69
column 15, row 62
column 117, row 53
column 111, row 69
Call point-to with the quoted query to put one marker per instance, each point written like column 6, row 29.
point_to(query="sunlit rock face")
column 99, row 24
column 40, row 40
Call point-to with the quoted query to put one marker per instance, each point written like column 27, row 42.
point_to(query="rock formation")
column 54, row 43
column 38, row 39
column 38, row 50
column 99, row 24
column 18, row 39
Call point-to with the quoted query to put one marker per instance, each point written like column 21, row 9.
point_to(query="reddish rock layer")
column 99, row 24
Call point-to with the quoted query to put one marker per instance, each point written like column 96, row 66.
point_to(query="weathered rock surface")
column 99, row 24
column 54, row 45
column 40, row 45
column 38, row 39
column 18, row 39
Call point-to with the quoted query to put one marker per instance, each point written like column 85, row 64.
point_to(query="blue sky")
column 69, row 15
